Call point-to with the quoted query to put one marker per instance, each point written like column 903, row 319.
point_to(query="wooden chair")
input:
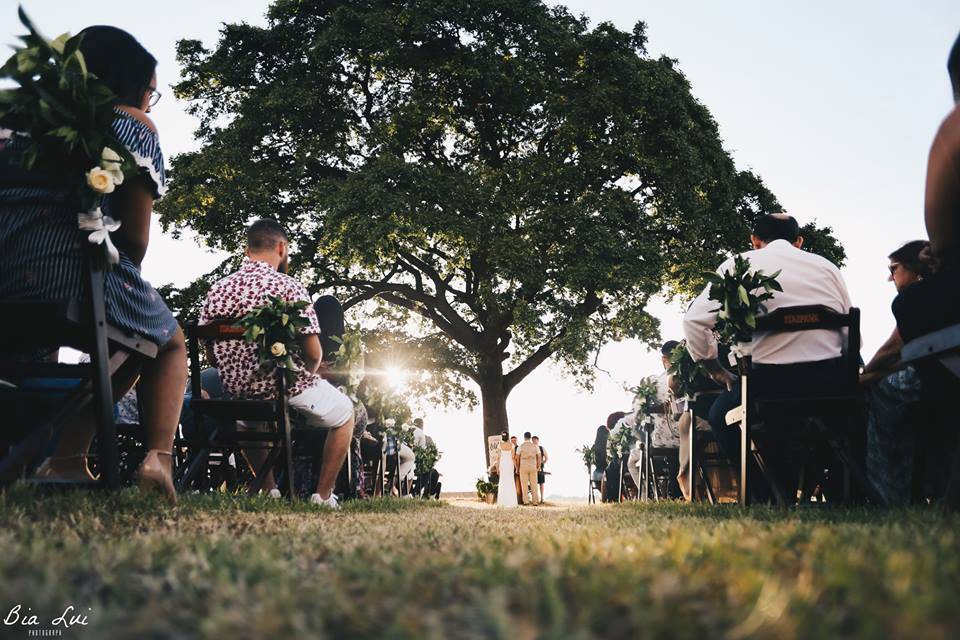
column 844, row 404
column 47, row 325
column 699, row 407
column 210, row 438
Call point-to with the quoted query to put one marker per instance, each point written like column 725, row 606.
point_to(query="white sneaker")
column 274, row 493
column 330, row 503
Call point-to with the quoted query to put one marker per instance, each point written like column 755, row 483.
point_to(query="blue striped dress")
column 40, row 242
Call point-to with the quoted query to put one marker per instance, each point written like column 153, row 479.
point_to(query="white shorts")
column 322, row 406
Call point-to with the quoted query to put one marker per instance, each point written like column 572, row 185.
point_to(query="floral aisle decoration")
column 399, row 430
column 273, row 328
column 348, row 363
column 587, row 455
column 739, row 303
column 485, row 488
column 622, row 439
column 685, row 372
column 64, row 116
column 427, row 457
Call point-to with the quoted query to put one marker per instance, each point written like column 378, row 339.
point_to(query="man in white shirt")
column 792, row 363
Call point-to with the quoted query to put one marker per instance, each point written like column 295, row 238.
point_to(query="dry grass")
column 227, row 567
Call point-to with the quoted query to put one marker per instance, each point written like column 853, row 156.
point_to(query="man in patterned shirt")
column 263, row 274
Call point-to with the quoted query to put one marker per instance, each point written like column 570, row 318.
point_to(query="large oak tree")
column 520, row 180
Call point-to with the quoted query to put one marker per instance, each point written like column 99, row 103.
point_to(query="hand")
column 724, row 378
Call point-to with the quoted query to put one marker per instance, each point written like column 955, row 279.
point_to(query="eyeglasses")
column 154, row 96
column 893, row 267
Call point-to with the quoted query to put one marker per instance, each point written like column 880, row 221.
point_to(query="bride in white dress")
column 506, row 489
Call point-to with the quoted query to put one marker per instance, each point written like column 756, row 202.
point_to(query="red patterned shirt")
column 234, row 297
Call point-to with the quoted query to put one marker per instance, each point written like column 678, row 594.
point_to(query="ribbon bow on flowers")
column 101, row 227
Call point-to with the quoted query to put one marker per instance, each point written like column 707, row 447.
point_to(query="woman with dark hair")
column 892, row 390
column 40, row 259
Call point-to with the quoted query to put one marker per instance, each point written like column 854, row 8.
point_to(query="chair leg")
column 257, row 485
column 288, row 458
column 771, row 480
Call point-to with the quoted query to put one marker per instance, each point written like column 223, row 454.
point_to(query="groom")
column 530, row 462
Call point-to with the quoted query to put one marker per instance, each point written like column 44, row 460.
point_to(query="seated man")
column 788, row 364
column 666, row 433
column 262, row 274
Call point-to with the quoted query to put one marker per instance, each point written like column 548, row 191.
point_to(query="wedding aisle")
column 231, row 567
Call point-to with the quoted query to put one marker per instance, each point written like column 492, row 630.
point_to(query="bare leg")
column 161, row 398
column 334, row 453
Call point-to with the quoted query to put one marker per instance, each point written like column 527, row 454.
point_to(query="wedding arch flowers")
column 65, row 115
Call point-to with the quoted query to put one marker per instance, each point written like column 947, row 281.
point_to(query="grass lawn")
column 229, row 567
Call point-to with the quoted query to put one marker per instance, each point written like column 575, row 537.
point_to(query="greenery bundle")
column 587, row 455
column 621, row 440
column 348, row 361
column 427, row 456
column 399, row 430
column 274, row 327
column 739, row 305
column 684, row 370
column 65, row 116
column 645, row 396
column 485, row 487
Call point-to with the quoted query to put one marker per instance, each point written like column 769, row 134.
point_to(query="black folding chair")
column 941, row 346
column 843, row 405
column 34, row 416
column 215, row 420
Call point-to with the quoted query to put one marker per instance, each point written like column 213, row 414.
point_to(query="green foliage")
column 739, row 304
column 485, row 487
column 427, row 457
column 402, row 432
column 587, row 454
column 64, row 114
column 348, row 363
column 645, row 395
column 518, row 179
column 621, row 440
column 684, row 370
column 274, row 328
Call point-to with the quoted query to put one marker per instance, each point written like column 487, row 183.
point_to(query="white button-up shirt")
column 806, row 278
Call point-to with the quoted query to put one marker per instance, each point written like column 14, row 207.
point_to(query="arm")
column 942, row 197
column 699, row 321
column 885, row 361
column 132, row 204
column 310, row 350
column 718, row 373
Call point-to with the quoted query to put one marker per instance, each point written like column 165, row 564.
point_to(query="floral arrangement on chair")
column 398, row 430
column 684, row 370
column 587, row 455
column 739, row 305
column 66, row 115
column 274, row 327
column 427, row 457
column 621, row 440
column 348, row 362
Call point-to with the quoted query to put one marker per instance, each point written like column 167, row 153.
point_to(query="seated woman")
column 40, row 259
column 891, row 390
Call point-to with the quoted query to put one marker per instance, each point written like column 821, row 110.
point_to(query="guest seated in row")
column 791, row 364
column 263, row 274
column 40, row 259
column 934, row 303
column 893, row 390
column 666, row 433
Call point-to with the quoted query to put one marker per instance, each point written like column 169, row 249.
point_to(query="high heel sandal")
column 155, row 477
column 52, row 471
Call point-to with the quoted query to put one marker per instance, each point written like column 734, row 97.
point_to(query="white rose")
column 112, row 163
column 389, row 423
column 278, row 349
column 100, row 180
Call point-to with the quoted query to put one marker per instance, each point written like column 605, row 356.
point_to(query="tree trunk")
column 493, row 398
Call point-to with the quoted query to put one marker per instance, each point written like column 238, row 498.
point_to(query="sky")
column 833, row 104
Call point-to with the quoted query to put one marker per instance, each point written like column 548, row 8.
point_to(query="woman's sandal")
column 155, row 477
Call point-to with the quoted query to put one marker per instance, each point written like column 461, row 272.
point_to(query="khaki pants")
column 528, row 478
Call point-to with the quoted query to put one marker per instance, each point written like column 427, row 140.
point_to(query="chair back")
column 813, row 317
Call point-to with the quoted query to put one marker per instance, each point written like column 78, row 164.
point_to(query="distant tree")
column 519, row 181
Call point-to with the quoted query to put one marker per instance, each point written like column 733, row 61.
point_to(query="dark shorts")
column 541, row 477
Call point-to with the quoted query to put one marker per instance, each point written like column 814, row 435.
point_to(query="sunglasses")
column 893, row 267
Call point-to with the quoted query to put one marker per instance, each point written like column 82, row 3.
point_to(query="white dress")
column 506, row 489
